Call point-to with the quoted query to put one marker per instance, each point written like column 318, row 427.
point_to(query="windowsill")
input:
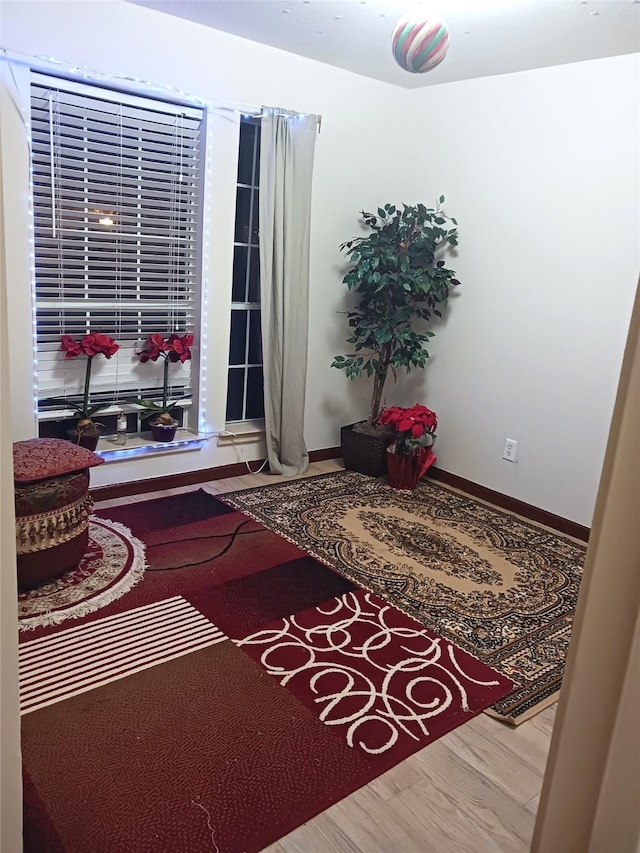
column 241, row 432
column 139, row 444
column 115, row 409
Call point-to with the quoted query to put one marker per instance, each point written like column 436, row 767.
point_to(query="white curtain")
column 286, row 165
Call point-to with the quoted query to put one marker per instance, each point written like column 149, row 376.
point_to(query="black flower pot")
column 364, row 453
column 87, row 438
column 162, row 432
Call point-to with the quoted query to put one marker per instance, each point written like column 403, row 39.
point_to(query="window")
column 116, row 201
column 245, row 399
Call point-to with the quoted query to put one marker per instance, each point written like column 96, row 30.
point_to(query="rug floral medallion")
column 500, row 587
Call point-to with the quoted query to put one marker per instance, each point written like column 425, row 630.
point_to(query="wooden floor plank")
column 474, row 794
column 320, row 835
column 447, row 822
column 491, row 758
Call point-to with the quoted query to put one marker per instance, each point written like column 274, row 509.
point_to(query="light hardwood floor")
column 474, row 790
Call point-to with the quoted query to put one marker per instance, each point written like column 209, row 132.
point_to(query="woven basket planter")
column 366, row 454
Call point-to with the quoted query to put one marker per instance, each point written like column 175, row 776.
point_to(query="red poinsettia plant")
column 91, row 345
column 172, row 349
column 413, row 427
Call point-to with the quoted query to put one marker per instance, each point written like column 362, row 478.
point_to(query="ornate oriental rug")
column 113, row 564
column 238, row 690
column 502, row 588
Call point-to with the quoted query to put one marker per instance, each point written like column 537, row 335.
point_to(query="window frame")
column 113, row 91
column 246, row 424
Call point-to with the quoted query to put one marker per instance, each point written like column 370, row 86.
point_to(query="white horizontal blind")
column 116, row 200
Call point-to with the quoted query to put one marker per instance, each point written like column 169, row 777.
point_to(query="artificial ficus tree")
column 402, row 284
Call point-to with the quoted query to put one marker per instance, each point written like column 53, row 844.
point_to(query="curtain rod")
column 49, row 64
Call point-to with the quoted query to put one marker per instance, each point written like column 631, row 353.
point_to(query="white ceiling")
column 487, row 36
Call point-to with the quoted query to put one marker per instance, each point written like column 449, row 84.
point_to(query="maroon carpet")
column 238, row 690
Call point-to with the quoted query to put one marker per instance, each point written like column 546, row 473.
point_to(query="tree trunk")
column 378, row 385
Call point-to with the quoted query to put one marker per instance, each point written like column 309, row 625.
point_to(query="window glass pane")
column 245, row 396
column 238, row 291
column 245, row 157
column 254, row 276
column 255, row 222
column 243, row 208
column 255, row 338
column 255, row 397
column 235, row 394
column 238, row 339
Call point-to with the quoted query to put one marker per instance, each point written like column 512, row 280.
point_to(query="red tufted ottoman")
column 51, row 480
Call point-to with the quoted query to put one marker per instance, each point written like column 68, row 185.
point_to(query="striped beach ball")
column 419, row 44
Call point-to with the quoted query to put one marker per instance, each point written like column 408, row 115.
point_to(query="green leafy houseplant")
column 401, row 284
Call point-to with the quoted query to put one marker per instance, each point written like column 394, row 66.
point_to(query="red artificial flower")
column 97, row 344
column 70, row 347
column 179, row 348
column 152, row 347
column 92, row 344
column 391, row 416
column 175, row 348
column 414, row 421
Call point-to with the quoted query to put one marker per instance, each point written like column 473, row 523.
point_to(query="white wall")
column 10, row 775
column 540, row 169
column 354, row 167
